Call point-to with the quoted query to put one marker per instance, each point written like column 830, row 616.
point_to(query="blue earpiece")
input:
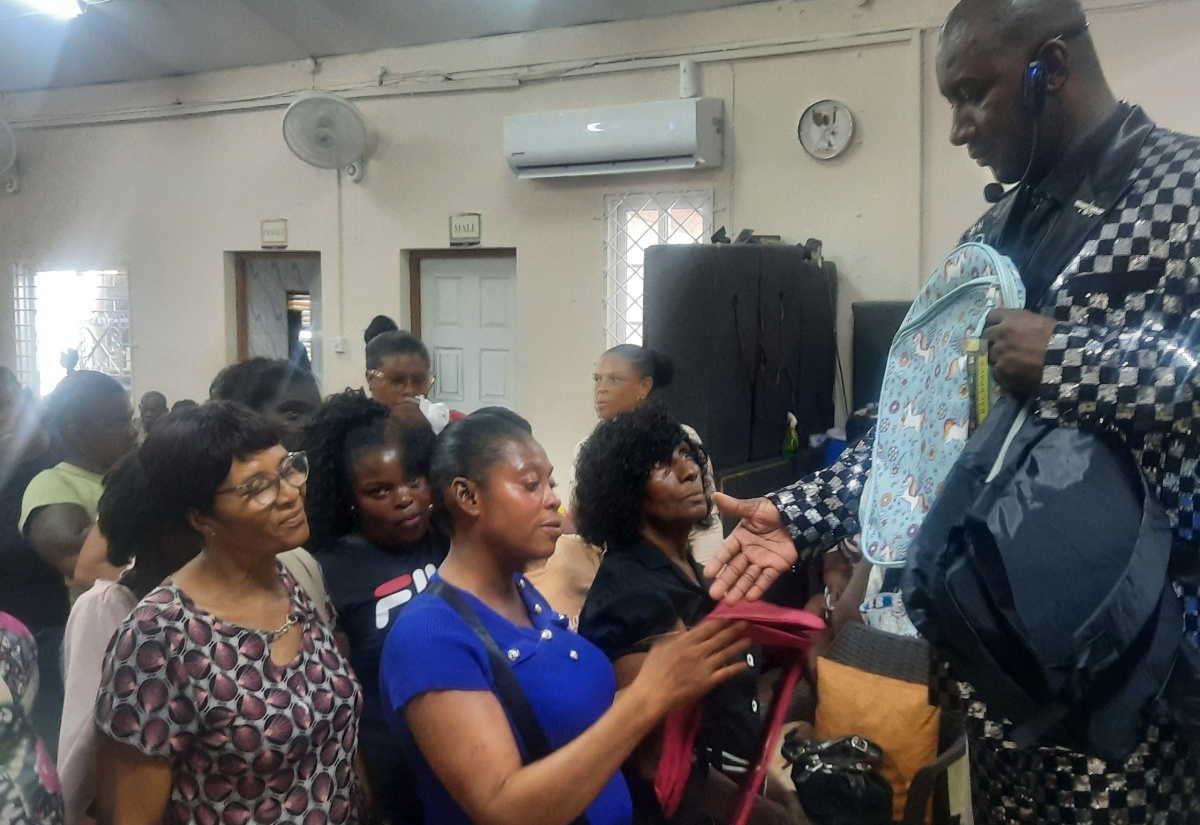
column 1033, row 88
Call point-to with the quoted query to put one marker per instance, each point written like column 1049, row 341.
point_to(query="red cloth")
column 784, row 629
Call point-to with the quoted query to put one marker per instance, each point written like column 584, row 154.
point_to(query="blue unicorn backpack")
column 936, row 387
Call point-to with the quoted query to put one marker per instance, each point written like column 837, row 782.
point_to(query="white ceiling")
column 138, row 39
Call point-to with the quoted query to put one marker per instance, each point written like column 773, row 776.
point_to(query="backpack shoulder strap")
column 305, row 570
column 1125, row 610
column 510, row 692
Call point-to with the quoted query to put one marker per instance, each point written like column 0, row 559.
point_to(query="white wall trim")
column 510, row 77
column 36, row 110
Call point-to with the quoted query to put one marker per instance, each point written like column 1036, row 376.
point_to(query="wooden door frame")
column 241, row 308
column 415, row 256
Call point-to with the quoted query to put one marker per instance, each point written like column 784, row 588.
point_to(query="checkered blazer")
column 1125, row 354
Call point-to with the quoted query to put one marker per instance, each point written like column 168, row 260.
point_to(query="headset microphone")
column 1035, row 82
column 1035, row 87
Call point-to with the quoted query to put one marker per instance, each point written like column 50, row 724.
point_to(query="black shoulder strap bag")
column 509, row 690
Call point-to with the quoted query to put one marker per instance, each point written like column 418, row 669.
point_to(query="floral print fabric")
column 249, row 741
column 29, row 787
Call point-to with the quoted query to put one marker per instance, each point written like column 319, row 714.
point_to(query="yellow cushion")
column 894, row 714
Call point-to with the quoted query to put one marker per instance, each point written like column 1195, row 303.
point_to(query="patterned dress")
column 29, row 788
column 249, row 741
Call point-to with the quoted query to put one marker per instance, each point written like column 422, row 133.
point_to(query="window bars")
column 61, row 310
column 633, row 223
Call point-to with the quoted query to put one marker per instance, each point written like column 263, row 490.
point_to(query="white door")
column 468, row 321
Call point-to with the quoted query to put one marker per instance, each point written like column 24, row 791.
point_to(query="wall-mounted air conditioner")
column 642, row 137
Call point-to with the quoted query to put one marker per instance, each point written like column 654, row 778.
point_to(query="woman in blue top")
column 494, row 483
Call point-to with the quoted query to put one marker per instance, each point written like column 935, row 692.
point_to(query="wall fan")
column 8, row 160
column 327, row 131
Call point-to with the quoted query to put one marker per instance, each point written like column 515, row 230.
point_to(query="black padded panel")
column 797, row 368
column 701, row 311
column 751, row 331
column 875, row 325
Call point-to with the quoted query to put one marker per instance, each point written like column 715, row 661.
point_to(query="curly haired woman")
column 640, row 493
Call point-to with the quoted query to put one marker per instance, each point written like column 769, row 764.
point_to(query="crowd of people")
column 216, row 670
column 276, row 606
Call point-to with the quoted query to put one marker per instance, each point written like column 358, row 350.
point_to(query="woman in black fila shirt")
column 369, row 509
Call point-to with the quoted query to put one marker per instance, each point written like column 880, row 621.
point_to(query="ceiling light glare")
column 60, row 9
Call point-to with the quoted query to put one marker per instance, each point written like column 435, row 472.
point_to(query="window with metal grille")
column 64, row 317
column 633, row 223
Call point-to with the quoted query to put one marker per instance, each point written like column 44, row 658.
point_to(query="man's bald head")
column 1022, row 25
column 1018, row 130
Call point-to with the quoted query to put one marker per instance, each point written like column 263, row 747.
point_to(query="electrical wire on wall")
column 341, row 265
column 730, row 149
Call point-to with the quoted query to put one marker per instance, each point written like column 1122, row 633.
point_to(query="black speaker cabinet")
column 751, row 330
column 875, row 325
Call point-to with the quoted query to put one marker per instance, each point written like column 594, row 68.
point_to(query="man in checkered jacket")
column 1104, row 226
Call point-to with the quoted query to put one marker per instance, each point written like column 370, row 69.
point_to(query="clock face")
column 826, row 129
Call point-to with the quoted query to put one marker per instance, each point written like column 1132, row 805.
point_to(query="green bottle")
column 791, row 441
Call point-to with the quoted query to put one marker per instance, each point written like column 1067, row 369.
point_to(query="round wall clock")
column 826, row 129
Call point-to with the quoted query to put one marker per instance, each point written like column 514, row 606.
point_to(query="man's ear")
column 465, row 495
column 1056, row 57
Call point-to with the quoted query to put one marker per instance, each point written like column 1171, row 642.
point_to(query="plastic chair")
column 908, row 659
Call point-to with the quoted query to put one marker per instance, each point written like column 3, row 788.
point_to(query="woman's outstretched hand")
column 754, row 555
column 685, row 665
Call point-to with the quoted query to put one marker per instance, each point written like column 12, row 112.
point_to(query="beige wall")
column 167, row 197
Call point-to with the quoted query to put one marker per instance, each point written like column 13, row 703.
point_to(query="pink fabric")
column 94, row 618
column 785, row 629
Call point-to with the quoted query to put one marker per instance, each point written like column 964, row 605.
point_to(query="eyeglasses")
column 420, row 383
column 264, row 487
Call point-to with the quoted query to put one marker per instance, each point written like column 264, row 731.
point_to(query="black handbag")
column 1041, row 575
column 509, row 690
column 838, row 780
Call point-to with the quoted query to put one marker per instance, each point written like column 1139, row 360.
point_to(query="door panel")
column 494, row 371
column 449, row 301
column 493, row 302
column 448, row 367
column 468, row 321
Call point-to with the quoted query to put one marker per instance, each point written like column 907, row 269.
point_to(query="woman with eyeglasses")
column 284, row 394
column 400, row 377
column 369, row 504
column 224, row 698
